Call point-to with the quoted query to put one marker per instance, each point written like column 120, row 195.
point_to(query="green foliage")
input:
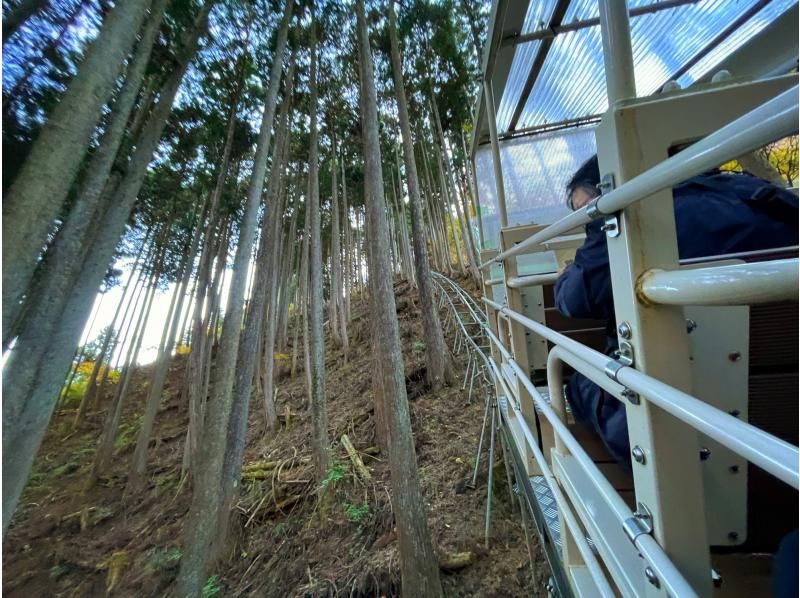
column 80, row 383
column 418, row 347
column 356, row 512
column 211, row 587
column 127, row 433
column 335, row 473
column 58, row 571
column 161, row 559
column 67, row 468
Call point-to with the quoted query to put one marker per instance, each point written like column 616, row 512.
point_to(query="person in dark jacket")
column 715, row 213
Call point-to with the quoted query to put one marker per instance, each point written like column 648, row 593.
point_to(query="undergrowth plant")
column 211, row 587
column 356, row 512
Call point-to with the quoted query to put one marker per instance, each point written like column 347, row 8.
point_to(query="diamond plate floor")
column 547, row 504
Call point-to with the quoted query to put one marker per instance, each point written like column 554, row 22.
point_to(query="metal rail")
column 737, row 284
column 660, row 562
column 772, row 454
column 772, row 120
column 446, row 287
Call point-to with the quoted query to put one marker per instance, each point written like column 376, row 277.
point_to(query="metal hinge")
column 640, row 523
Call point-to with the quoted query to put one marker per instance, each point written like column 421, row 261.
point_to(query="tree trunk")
column 463, row 216
column 348, row 244
column 444, row 162
column 270, row 263
column 203, row 512
column 28, row 403
column 302, row 300
column 196, row 369
column 91, row 385
column 159, row 376
column 418, row 564
column 48, row 292
column 319, row 412
column 472, row 181
column 336, row 264
column 36, row 197
column 437, row 358
column 105, row 447
column 287, row 287
column 263, row 296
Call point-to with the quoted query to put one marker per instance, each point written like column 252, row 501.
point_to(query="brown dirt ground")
column 283, row 543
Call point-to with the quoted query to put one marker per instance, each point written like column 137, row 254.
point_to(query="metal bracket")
column 632, row 396
column 611, row 226
column 592, row 211
column 623, row 358
column 606, row 184
column 640, row 523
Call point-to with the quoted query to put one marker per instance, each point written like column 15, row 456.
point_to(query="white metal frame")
column 653, row 375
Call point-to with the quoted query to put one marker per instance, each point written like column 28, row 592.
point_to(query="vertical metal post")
column 615, row 29
column 498, row 167
column 646, row 239
column 476, row 196
column 490, row 481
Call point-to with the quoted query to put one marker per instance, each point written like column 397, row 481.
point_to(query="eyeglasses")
column 591, row 190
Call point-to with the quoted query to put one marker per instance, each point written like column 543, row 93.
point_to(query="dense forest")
column 270, row 185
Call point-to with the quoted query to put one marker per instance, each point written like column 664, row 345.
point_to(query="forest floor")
column 64, row 542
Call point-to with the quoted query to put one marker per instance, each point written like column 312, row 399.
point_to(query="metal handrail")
column 651, row 550
column 564, row 506
column 772, row 120
column 497, row 377
column 760, row 448
column 669, row 575
column 736, row 284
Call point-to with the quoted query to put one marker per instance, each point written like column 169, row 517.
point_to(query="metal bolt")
column 734, row 469
column 705, row 454
column 690, row 325
column 638, row 455
column 609, row 226
column 624, row 330
column 735, row 356
column 733, row 536
column 651, row 577
column 716, row 579
column 631, row 395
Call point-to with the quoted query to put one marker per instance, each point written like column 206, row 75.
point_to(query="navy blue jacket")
column 715, row 214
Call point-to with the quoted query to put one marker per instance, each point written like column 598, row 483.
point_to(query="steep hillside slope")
column 65, row 543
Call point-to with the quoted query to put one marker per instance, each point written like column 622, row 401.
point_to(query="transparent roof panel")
column 538, row 16
column 755, row 24
column 572, row 81
column 536, row 169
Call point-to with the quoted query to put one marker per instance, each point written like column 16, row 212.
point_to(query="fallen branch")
column 457, row 561
column 358, row 464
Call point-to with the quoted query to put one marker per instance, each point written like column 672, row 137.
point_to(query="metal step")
column 548, row 507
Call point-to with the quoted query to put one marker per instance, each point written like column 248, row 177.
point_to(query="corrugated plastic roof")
column 535, row 172
column 537, row 17
column 571, row 83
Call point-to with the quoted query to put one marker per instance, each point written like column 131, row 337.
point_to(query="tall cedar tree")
column 204, row 510
column 418, row 564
